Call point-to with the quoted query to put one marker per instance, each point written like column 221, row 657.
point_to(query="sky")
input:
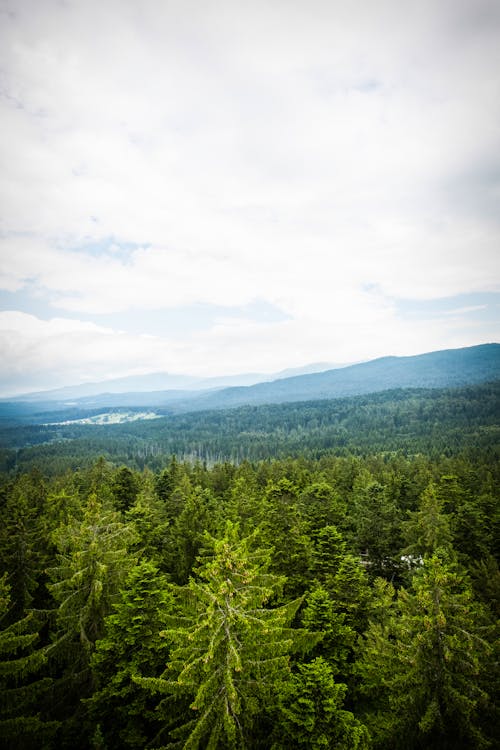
column 218, row 187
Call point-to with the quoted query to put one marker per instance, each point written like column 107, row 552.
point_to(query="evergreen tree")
column 378, row 530
column 22, row 688
column 173, row 487
column 92, row 563
column 328, row 552
column 428, row 528
column 125, row 489
column 321, row 506
column 132, row 646
column 424, row 667
column 320, row 615
column 350, row 591
column 229, row 650
column 285, row 531
column 200, row 513
column 149, row 519
column 310, row 712
column 23, row 542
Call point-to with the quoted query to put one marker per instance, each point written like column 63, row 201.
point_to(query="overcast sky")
column 217, row 187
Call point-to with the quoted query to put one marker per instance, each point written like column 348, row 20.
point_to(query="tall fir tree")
column 131, row 646
column 311, row 715
column 229, row 649
column 424, row 666
column 92, row 562
column 23, row 688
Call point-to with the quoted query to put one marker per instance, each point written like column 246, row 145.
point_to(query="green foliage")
column 148, row 517
column 321, row 506
column 199, row 514
column 132, row 646
column 321, row 615
column 23, row 540
column 92, row 562
column 310, row 712
column 431, row 422
column 378, row 529
column 285, row 530
column 124, row 488
column 428, row 528
column 328, row 552
column 22, row 688
column 115, row 653
column 229, row 650
column 423, row 667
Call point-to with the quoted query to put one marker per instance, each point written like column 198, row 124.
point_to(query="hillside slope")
column 441, row 369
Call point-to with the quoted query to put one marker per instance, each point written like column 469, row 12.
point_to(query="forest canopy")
column 305, row 575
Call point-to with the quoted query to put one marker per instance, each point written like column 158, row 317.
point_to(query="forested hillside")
column 305, row 575
column 441, row 369
column 435, row 422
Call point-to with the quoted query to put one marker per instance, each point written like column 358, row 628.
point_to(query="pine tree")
column 310, row 712
column 149, row 519
column 424, row 666
column 125, row 488
column 23, row 542
column 200, row 513
column 321, row 506
column 328, row 552
column 92, row 563
column 321, row 615
column 132, row 646
column 377, row 522
column 428, row 528
column 229, row 650
column 22, row 689
column 285, row 531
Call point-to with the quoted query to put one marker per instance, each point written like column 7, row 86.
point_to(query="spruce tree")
column 229, row 649
column 310, row 713
column 424, row 667
column 131, row 646
column 92, row 562
column 23, row 689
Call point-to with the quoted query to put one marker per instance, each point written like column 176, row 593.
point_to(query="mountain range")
column 440, row 369
column 165, row 382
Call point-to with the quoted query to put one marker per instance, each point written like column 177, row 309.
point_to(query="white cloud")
column 294, row 152
column 39, row 354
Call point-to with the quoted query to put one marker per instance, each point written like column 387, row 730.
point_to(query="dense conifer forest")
column 308, row 575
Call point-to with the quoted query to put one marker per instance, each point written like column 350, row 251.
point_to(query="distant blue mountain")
column 162, row 382
column 441, row 369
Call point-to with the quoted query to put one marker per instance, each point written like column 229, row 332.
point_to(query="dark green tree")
column 424, row 666
column 229, row 650
column 200, row 514
column 125, row 488
column 285, row 530
column 310, row 712
column 378, row 530
column 320, row 615
column 23, row 543
column 92, row 563
column 428, row 528
column 321, row 505
column 148, row 517
column 131, row 646
column 23, row 689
